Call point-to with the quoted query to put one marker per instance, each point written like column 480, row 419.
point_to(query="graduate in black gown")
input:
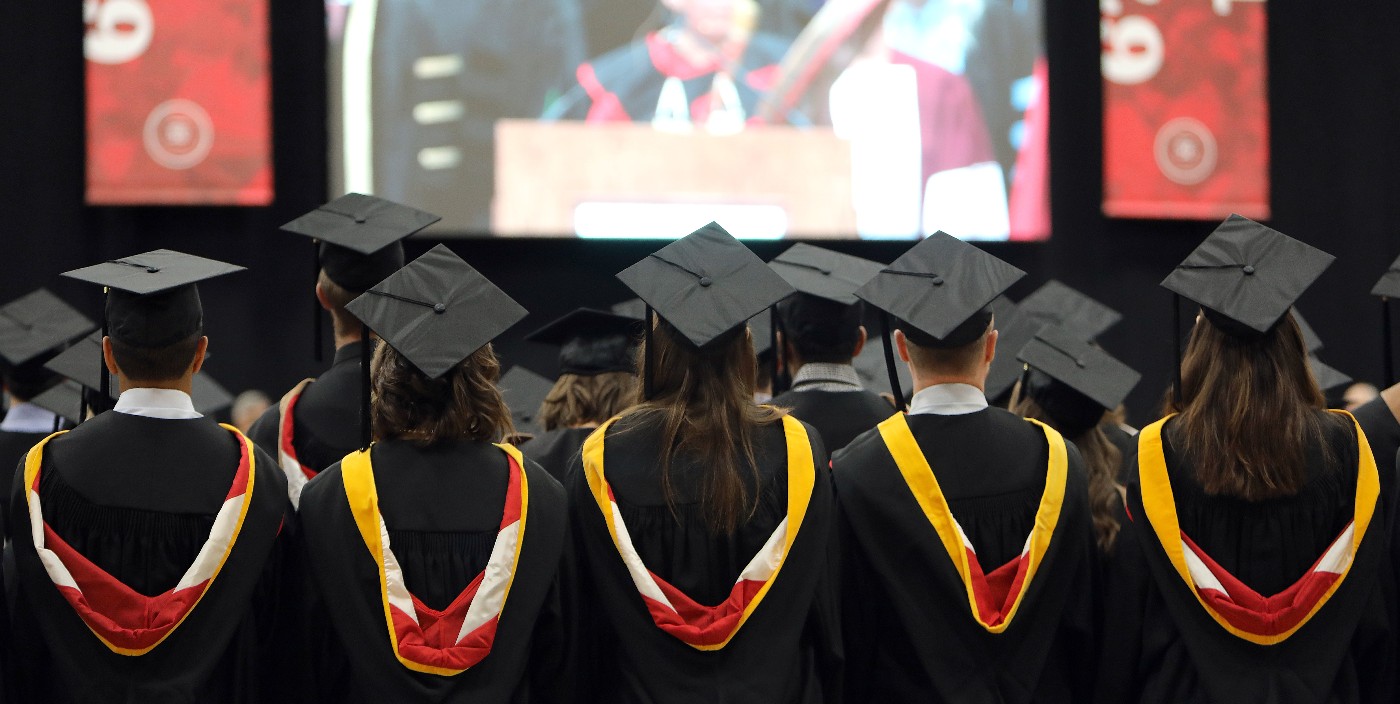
column 318, row 420
column 1071, row 385
column 436, row 555
column 966, row 540
column 1257, row 562
column 820, row 337
column 33, row 328
column 704, row 520
column 149, row 539
column 597, row 380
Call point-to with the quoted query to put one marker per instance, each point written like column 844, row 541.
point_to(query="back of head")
column 463, row 404
column 819, row 329
column 704, row 399
column 25, row 381
column 935, row 359
column 1249, row 410
column 587, row 399
column 155, row 337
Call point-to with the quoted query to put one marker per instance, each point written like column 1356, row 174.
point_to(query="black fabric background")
column 1333, row 69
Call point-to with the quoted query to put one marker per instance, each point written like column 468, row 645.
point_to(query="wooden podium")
column 546, row 170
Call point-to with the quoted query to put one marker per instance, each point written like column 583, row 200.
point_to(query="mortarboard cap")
column 208, row 395
column 1327, row 376
column 1246, row 276
column 437, row 311
column 591, row 341
column 1079, row 365
column 824, row 273
column 524, row 391
column 870, row 367
column 942, row 288
column 761, row 327
column 152, row 299
column 37, row 323
column 705, row 284
column 76, row 362
column 1062, row 306
column 360, row 237
column 1015, row 330
column 1389, row 285
column 64, row 399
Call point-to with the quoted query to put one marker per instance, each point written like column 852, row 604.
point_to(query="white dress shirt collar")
column 24, row 417
column 948, row 400
column 171, row 404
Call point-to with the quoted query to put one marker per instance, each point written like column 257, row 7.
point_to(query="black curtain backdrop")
column 1333, row 77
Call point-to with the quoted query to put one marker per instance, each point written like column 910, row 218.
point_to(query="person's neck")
column 343, row 340
column 922, row 382
column 185, row 384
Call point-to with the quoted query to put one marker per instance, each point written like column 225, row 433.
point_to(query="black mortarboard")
column 1015, row 330
column 208, row 395
column 437, row 311
column 939, row 292
column 705, row 284
column 761, row 327
column 37, row 323
column 1062, row 306
column 1081, row 366
column 360, row 237
column 591, row 341
column 1246, row 276
column 939, row 286
column 1311, row 341
column 1327, row 376
column 824, row 273
column 1387, row 288
column 870, row 367
column 64, row 399
column 152, row 299
column 524, row 391
column 76, row 362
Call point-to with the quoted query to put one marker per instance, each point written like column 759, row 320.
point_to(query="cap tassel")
column 889, row 362
column 1387, row 343
column 1176, row 347
column 364, row 387
column 316, row 323
column 777, row 384
column 646, row 357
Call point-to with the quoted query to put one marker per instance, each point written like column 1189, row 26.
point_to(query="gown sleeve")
column 1125, row 587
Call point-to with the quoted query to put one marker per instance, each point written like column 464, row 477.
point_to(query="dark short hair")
column 25, row 381
column 820, row 329
column 155, row 363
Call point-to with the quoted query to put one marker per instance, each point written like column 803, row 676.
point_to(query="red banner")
column 1186, row 111
column 178, row 102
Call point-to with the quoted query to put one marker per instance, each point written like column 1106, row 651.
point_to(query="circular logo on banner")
column 1186, row 151
column 178, row 134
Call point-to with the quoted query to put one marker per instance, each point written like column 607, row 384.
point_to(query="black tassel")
column 777, row 384
column 889, row 362
column 647, row 387
column 1176, row 346
column 364, row 387
column 316, row 306
column 1387, row 343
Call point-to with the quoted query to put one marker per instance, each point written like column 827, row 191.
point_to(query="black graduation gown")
column 137, row 497
column 1161, row 644
column 910, row 634
column 326, row 423
column 789, row 648
column 625, row 84
column 556, row 449
column 1382, row 430
column 1126, row 443
column 13, row 447
column 839, row 416
column 443, row 509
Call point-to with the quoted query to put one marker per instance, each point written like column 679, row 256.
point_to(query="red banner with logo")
column 178, row 102
column 1186, row 111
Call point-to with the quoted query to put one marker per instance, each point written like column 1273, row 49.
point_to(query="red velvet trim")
column 697, row 624
column 286, row 437
column 995, row 592
column 1249, row 611
column 114, row 611
column 432, row 640
column 606, row 106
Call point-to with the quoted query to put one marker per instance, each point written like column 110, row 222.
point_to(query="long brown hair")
column 704, row 398
column 463, row 404
column 584, row 399
column 1101, row 459
column 1249, row 411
